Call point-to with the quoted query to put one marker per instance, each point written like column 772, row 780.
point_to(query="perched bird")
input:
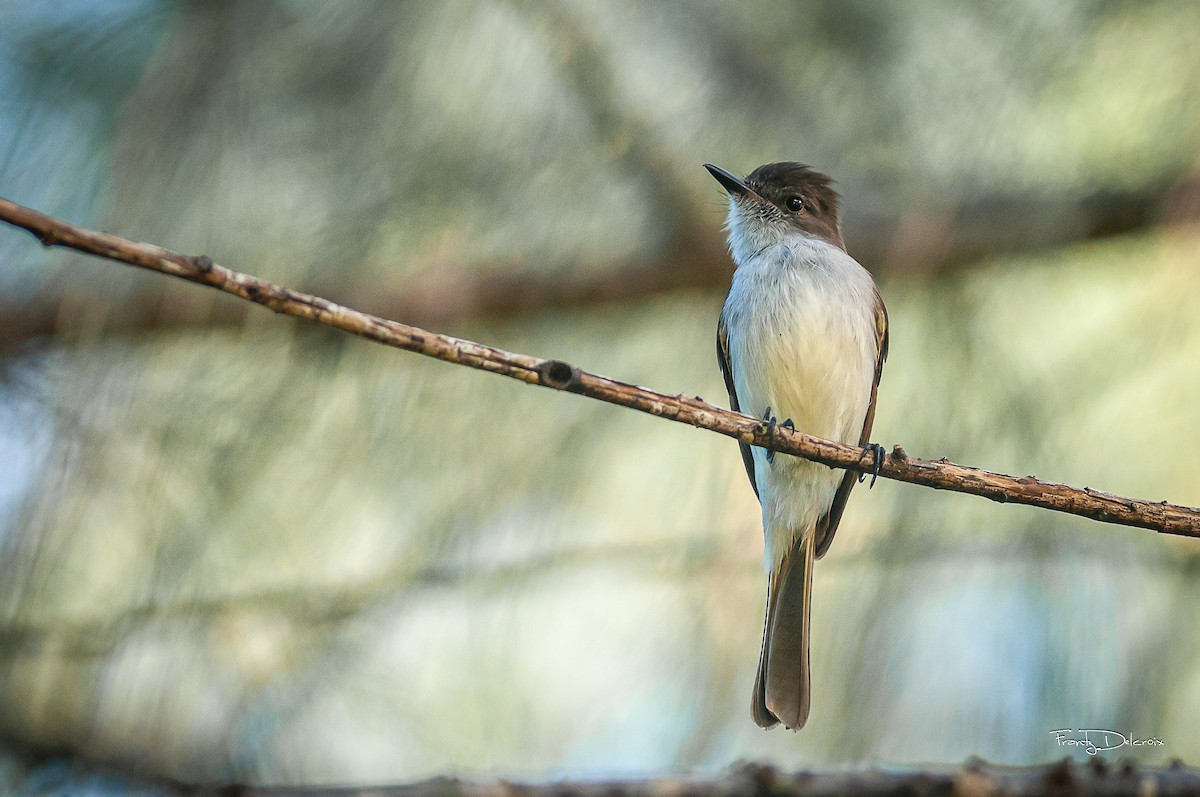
column 802, row 336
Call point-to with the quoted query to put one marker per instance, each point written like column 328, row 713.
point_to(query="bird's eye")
column 795, row 204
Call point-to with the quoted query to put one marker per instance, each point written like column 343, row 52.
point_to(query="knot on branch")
column 202, row 263
column 558, row 375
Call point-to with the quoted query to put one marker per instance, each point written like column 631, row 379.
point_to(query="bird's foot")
column 771, row 422
column 878, row 452
column 772, row 425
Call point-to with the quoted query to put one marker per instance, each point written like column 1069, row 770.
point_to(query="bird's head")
column 776, row 202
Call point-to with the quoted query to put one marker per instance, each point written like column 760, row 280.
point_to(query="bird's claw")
column 772, row 425
column 879, row 454
column 771, row 422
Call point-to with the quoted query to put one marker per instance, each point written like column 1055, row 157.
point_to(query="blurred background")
column 237, row 547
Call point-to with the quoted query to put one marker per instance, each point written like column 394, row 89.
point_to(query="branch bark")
column 972, row 780
column 558, row 375
column 34, row 770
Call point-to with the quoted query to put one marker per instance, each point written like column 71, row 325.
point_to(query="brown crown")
column 778, row 182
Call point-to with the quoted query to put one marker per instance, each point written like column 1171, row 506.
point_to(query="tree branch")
column 975, row 778
column 559, row 375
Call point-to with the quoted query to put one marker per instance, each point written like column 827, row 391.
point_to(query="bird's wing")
column 727, row 372
column 828, row 523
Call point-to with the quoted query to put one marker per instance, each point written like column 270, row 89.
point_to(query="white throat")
column 754, row 228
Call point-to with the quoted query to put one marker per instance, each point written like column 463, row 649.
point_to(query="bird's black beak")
column 736, row 186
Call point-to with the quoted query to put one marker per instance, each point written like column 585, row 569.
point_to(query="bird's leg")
column 786, row 425
column 878, row 452
column 771, row 422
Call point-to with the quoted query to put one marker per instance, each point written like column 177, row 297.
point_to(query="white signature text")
column 1098, row 740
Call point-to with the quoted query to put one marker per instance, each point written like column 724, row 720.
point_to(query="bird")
column 802, row 335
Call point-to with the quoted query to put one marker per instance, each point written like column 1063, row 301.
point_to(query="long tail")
column 782, row 689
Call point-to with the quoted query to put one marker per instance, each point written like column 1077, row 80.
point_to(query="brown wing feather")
column 828, row 523
column 723, row 361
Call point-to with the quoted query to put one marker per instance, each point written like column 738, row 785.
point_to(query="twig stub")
column 558, row 375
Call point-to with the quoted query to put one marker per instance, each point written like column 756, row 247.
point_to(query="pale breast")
column 801, row 324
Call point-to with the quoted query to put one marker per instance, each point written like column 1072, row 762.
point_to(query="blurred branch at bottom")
column 559, row 375
column 974, row 779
